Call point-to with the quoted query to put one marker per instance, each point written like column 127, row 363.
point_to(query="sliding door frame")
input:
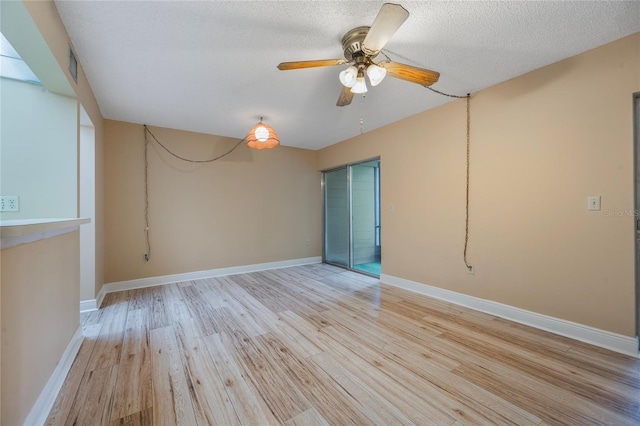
column 346, row 167
column 636, row 194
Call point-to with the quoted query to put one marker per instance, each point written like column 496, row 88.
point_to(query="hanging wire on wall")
column 466, row 220
column 468, row 138
column 147, row 254
column 147, row 142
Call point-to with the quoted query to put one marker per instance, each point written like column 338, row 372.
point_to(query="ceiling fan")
column 361, row 45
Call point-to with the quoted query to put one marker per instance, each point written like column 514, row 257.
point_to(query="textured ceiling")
column 210, row 66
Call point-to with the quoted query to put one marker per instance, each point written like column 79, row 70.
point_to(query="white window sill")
column 22, row 231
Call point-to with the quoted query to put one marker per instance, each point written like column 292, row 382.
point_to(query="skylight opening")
column 12, row 66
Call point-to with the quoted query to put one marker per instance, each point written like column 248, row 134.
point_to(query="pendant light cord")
column 147, row 132
column 211, row 160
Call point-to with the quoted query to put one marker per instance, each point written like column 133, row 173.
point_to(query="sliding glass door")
column 352, row 217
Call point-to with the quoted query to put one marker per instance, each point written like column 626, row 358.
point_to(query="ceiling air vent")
column 73, row 65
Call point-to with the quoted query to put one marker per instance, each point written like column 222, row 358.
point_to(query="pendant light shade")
column 262, row 136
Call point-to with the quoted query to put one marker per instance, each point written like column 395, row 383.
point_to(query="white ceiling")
column 210, row 66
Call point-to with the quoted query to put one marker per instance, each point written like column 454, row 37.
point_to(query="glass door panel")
column 336, row 217
column 365, row 217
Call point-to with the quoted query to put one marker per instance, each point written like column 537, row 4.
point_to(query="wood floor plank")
column 142, row 418
column 325, row 397
column 108, row 345
column 250, row 409
column 366, row 399
column 268, row 379
column 211, row 403
column 454, row 318
column 285, row 297
column 300, row 292
column 263, row 294
column 266, row 317
column 617, row 367
column 295, row 340
column 172, row 403
column 159, row 314
column 176, row 307
column 140, row 298
column 211, row 293
column 92, row 406
column 382, row 337
column 310, row 417
column 133, row 391
column 329, row 295
column 252, row 324
column 200, row 309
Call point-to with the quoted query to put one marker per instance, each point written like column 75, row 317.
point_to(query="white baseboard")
column 88, row 305
column 40, row 410
column 211, row 273
column 605, row 339
column 100, row 296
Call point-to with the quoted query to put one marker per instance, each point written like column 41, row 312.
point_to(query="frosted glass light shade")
column 376, row 74
column 262, row 136
column 360, row 86
column 348, row 77
column 262, row 133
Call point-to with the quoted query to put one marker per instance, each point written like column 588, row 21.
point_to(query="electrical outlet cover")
column 9, row 203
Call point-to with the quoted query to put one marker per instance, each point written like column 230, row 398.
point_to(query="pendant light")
column 262, row 136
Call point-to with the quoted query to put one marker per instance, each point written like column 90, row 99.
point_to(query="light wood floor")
column 319, row 345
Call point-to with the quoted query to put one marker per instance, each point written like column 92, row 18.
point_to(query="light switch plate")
column 593, row 202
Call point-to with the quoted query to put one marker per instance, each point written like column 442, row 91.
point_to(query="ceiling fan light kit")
column 360, row 46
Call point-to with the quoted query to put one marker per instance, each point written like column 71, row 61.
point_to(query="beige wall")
column 40, row 301
column 249, row 207
column 541, row 143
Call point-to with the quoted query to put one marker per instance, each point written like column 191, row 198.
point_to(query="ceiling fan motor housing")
column 352, row 43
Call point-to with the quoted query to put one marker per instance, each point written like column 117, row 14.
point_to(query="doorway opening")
column 87, row 209
column 352, row 226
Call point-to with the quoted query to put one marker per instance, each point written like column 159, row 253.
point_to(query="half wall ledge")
column 22, row 231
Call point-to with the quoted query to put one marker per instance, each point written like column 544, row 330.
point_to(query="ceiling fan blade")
column 417, row 75
column 345, row 98
column 310, row 64
column 389, row 19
